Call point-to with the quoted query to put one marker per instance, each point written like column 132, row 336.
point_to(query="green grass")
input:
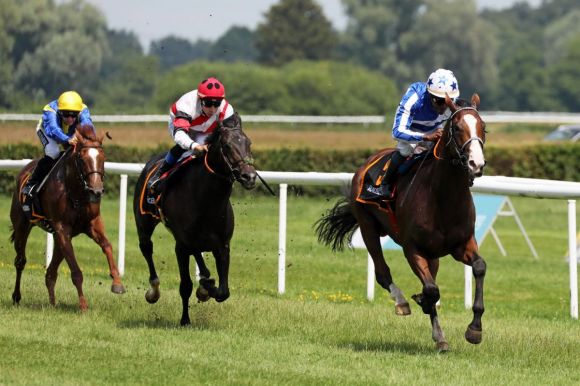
column 322, row 331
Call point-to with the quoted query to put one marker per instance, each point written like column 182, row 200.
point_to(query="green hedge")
column 557, row 162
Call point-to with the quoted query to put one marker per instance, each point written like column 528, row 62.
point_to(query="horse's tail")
column 337, row 225
column 12, row 234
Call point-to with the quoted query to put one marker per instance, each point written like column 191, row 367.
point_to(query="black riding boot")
column 389, row 176
column 42, row 168
column 154, row 182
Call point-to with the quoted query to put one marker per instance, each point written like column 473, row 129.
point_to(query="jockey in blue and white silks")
column 419, row 120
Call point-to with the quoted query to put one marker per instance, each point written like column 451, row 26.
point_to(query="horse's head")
column 234, row 147
column 464, row 136
column 89, row 159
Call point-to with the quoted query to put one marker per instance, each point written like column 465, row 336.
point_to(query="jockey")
column 192, row 119
column 419, row 120
column 57, row 127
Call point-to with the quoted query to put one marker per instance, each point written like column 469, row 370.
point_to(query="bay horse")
column 197, row 211
column 434, row 216
column 70, row 202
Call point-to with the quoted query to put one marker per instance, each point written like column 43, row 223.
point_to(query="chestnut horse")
column 196, row 208
column 70, row 200
column 434, row 216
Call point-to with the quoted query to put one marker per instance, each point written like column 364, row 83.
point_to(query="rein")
column 82, row 176
column 233, row 167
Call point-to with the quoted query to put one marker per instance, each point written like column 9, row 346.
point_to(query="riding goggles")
column 211, row 102
column 69, row 114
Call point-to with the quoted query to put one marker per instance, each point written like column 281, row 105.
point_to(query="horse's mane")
column 234, row 121
column 462, row 103
column 87, row 131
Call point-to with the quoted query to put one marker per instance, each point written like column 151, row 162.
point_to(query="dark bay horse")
column 196, row 209
column 434, row 216
column 70, row 200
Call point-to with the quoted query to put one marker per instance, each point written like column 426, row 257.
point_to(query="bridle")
column 78, row 161
column 233, row 166
column 459, row 158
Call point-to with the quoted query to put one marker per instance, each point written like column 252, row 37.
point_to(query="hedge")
column 557, row 162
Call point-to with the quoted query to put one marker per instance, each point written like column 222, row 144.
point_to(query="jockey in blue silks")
column 60, row 119
column 419, row 120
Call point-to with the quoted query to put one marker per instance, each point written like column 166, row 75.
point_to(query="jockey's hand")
column 434, row 136
column 199, row 150
column 72, row 140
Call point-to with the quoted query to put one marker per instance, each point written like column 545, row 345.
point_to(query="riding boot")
column 389, row 176
column 30, row 189
column 155, row 182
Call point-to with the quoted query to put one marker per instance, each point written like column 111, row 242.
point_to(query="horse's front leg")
column 97, row 233
column 470, row 256
column 426, row 270
column 383, row 276
column 202, row 293
column 222, row 259
column 185, row 285
column 64, row 244
column 52, row 273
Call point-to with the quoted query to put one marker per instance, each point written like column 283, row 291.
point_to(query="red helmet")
column 211, row 88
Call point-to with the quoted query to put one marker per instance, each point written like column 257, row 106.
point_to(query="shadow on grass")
column 402, row 347
column 199, row 321
column 67, row 308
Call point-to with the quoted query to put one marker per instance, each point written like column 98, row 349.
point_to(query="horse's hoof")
column 118, row 289
column 207, row 283
column 402, row 309
column 442, row 347
column 16, row 299
column 152, row 296
column 185, row 321
column 202, row 294
column 473, row 336
column 83, row 305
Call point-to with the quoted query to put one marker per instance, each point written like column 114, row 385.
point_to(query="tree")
column 294, row 29
column 463, row 43
column 237, row 44
column 124, row 46
column 565, row 76
column 173, row 51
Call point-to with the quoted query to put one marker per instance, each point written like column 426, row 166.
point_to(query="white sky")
column 195, row 19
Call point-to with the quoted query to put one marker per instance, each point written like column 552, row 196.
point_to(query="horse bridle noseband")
column 233, row 167
column 78, row 164
column 461, row 158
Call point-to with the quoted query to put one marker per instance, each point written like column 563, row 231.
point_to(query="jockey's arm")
column 51, row 126
column 404, row 119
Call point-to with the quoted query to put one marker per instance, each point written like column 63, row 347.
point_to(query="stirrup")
column 28, row 190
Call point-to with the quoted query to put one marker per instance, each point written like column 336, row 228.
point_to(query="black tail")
column 337, row 226
column 12, row 234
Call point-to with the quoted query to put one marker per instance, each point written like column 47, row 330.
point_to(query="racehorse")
column 432, row 216
column 196, row 208
column 67, row 204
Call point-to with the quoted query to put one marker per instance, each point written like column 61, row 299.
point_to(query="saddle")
column 151, row 203
column 370, row 192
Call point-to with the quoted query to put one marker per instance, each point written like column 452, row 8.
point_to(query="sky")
column 195, row 19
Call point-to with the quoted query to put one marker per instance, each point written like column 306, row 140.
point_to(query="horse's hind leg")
column 185, row 285
column 382, row 271
column 202, row 293
column 222, row 259
column 19, row 237
column 97, row 233
column 145, row 227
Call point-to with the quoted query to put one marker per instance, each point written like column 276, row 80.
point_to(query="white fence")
column 488, row 116
column 488, row 184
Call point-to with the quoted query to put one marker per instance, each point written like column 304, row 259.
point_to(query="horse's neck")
column 72, row 180
column 449, row 183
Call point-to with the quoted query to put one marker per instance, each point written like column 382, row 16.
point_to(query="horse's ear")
column 449, row 102
column 100, row 137
column 475, row 101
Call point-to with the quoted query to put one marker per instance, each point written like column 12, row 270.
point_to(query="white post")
column 282, row 239
column 122, row 224
column 370, row 278
column 49, row 248
column 573, row 258
column 468, row 273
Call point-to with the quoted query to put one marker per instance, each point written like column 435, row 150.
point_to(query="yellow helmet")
column 70, row 101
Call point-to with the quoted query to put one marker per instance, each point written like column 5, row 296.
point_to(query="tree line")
column 521, row 58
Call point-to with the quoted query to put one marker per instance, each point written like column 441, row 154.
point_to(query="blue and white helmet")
column 443, row 81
